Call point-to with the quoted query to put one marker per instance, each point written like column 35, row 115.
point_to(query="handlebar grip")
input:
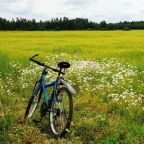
column 33, row 56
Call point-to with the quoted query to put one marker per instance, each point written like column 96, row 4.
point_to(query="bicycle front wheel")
column 33, row 101
column 60, row 115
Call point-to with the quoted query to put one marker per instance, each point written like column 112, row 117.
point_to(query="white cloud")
column 96, row 10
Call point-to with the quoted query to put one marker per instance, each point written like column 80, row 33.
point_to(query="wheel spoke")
column 59, row 121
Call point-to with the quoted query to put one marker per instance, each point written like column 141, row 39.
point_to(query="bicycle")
column 59, row 105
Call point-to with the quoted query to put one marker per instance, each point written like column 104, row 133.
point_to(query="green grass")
column 98, row 118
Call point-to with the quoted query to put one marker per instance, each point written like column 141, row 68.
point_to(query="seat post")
column 59, row 72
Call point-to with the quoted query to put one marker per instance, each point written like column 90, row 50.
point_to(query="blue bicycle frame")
column 40, row 84
column 45, row 85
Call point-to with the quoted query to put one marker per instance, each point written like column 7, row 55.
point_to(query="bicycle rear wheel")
column 33, row 101
column 60, row 116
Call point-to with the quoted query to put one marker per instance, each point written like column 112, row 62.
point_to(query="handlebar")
column 44, row 65
column 34, row 56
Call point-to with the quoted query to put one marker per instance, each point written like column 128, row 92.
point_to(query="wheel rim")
column 33, row 106
column 59, row 113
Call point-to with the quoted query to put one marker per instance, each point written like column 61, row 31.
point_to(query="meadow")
column 107, row 72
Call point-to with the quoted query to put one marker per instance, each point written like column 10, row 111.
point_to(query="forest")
column 66, row 24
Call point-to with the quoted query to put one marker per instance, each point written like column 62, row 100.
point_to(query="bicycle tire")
column 37, row 94
column 69, row 118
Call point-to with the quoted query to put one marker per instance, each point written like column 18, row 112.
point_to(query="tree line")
column 66, row 24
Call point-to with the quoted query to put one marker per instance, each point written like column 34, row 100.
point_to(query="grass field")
column 108, row 75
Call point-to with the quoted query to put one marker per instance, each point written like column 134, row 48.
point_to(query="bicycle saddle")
column 64, row 64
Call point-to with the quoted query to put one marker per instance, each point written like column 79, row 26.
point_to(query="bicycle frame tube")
column 45, row 85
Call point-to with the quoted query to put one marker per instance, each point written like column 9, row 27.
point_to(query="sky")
column 94, row 10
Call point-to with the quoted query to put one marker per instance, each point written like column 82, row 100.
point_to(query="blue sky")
column 95, row 10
